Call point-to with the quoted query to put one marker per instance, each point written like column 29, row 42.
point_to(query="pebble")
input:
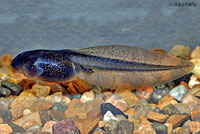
column 78, row 86
column 195, row 53
column 109, row 116
column 26, row 112
column 194, row 113
column 65, row 99
column 192, row 101
column 128, row 96
column 48, row 126
column 145, row 128
column 6, row 59
column 44, row 116
column 197, row 118
column 159, row 128
column 93, row 108
column 87, row 96
column 176, row 120
column 41, row 91
column 34, row 128
column 193, row 81
column 58, row 88
column 130, row 111
column 99, row 131
column 6, row 102
column 56, row 115
column 118, row 102
column 145, row 94
column 5, row 129
column 142, row 108
column 195, row 90
column 76, row 108
column 125, row 127
column 28, row 123
column 85, row 126
column 16, row 128
column 109, row 107
column 178, row 92
column 15, row 89
column 158, row 110
column 166, row 100
column 33, row 117
column 159, row 92
column 184, row 130
column 6, row 115
column 24, row 100
column 157, row 116
column 41, row 105
column 59, row 106
column 56, row 97
column 194, row 126
column 66, row 126
column 183, row 108
column 111, row 127
column 181, row 51
column 169, row 128
column 17, row 112
column 4, row 92
column 170, row 110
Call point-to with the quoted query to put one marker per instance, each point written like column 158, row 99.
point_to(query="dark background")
column 61, row 24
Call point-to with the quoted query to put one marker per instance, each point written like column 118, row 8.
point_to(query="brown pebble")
column 129, row 97
column 86, row 125
column 76, row 108
column 192, row 101
column 33, row 117
column 166, row 100
column 48, row 126
column 93, row 108
column 41, row 105
column 156, row 116
column 41, row 91
column 25, row 99
column 169, row 128
column 194, row 126
column 176, row 120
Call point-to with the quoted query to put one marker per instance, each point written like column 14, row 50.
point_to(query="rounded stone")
column 159, row 128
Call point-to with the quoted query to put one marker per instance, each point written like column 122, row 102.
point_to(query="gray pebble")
column 125, row 127
column 34, row 128
column 197, row 118
column 159, row 92
column 16, row 129
column 184, row 130
column 111, row 127
column 44, row 116
column 15, row 89
column 170, row 110
column 59, row 106
column 6, row 115
column 142, row 108
column 4, row 92
column 159, row 128
column 178, row 92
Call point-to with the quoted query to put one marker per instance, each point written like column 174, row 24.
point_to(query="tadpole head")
column 24, row 62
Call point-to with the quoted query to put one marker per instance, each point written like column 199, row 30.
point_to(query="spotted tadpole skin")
column 114, row 66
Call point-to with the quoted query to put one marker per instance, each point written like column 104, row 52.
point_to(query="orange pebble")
column 185, row 84
column 6, row 59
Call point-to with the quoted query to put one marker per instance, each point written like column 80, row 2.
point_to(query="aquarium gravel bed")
column 79, row 107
